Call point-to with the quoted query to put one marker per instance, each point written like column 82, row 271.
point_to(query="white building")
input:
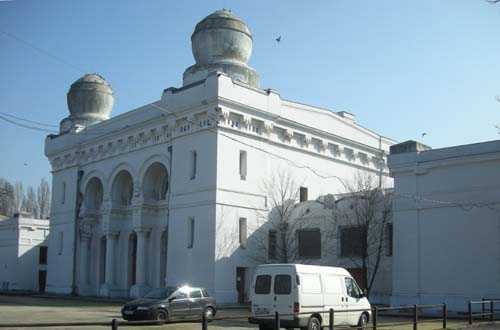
column 138, row 199
column 446, row 223
column 23, row 253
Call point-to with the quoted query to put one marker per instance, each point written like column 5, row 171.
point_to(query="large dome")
column 90, row 100
column 222, row 42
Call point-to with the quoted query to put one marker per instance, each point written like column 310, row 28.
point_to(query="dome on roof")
column 90, row 100
column 222, row 42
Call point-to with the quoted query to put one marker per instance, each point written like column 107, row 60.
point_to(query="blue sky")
column 402, row 67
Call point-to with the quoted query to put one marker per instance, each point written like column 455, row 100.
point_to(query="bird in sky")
column 278, row 39
column 25, row 164
column 424, row 134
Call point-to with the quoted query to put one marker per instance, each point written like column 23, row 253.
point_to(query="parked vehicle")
column 293, row 288
column 171, row 304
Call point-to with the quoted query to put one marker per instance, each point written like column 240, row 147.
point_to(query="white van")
column 293, row 288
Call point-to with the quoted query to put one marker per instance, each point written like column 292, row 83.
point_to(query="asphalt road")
column 26, row 309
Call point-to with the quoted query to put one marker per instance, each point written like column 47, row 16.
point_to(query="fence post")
column 415, row 317
column 330, row 319
column 445, row 315
column 277, row 325
column 492, row 311
column 470, row 312
column 375, row 317
column 483, row 309
column 204, row 323
column 114, row 324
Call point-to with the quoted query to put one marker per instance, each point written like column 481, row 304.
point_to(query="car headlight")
column 142, row 308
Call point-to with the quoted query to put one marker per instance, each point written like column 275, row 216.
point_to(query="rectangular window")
column 243, row 231
column 282, row 284
column 351, row 241
column 63, row 192
column 42, row 256
column 263, row 284
column 272, row 239
column 61, row 242
column 190, row 233
column 192, row 170
column 303, row 194
column 243, row 165
column 309, row 241
column 388, row 237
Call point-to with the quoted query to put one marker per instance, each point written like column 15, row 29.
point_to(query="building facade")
column 446, row 224
column 23, row 253
column 151, row 196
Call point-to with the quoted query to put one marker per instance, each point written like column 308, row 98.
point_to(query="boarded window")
column 243, row 165
column 309, row 241
column 388, row 237
column 42, row 257
column 351, row 241
column 263, row 284
column 272, row 239
column 282, row 284
column 190, row 233
column 243, row 231
column 303, row 194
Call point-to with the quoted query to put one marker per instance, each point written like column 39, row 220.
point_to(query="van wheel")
column 314, row 324
column 363, row 321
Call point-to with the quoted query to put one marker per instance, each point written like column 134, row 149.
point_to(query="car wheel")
column 209, row 314
column 161, row 316
column 314, row 324
column 363, row 321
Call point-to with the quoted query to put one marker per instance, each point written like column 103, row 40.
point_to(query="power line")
column 28, row 126
column 27, row 120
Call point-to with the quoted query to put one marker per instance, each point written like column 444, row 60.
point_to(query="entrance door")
column 240, row 284
column 42, row 278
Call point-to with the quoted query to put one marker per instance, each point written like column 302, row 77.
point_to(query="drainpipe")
column 79, row 200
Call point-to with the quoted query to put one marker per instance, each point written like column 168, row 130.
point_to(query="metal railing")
column 484, row 302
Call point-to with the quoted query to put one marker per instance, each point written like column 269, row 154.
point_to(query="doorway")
column 240, row 284
column 42, row 279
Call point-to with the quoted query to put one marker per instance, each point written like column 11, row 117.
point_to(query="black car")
column 171, row 304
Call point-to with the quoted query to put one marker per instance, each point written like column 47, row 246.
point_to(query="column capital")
column 111, row 234
column 142, row 230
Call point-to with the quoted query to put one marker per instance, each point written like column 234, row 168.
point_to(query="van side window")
column 282, row 284
column 263, row 284
column 352, row 288
column 311, row 283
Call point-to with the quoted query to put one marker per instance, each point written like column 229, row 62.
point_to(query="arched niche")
column 122, row 189
column 92, row 197
column 155, row 183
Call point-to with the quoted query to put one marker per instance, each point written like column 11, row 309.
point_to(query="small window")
column 192, row 171
column 190, row 233
column 42, row 257
column 61, row 242
column 388, row 237
column 63, row 192
column 272, row 244
column 263, row 284
column 195, row 294
column 243, row 165
column 309, row 241
column 351, row 241
column 282, row 284
column 243, row 231
column 205, row 293
column 303, row 194
column 179, row 295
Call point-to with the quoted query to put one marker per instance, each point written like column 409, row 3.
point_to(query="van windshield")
column 282, row 284
column 263, row 284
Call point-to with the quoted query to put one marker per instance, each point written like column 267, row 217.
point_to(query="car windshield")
column 162, row 293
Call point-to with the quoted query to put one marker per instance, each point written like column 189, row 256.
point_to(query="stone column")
column 84, row 262
column 109, row 280
column 141, row 287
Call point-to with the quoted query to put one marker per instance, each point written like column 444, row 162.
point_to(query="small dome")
column 90, row 100
column 221, row 42
column 221, row 37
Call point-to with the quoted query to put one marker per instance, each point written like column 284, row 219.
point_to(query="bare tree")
column 363, row 215
column 6, row 198
column 274, row 238
column 30, row 202
column 43, row 199
column 18, row 196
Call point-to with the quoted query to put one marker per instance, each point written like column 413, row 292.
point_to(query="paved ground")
column 26, row 309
